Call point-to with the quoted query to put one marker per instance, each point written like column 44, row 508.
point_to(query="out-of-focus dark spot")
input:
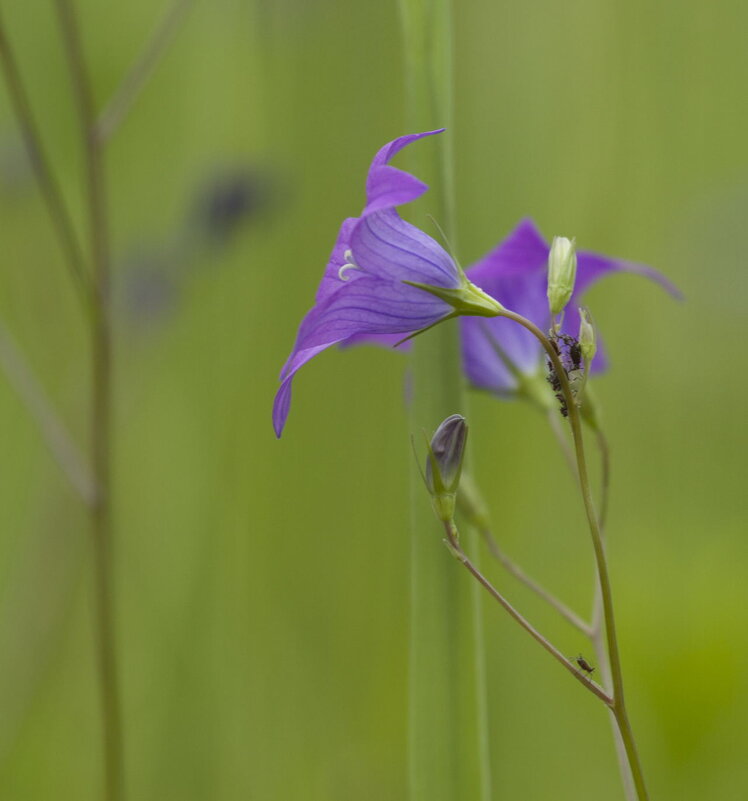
column 230, row 200
column 154, row 277
column 149, row 290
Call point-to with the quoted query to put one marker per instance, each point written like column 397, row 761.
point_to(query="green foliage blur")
column 262, row 586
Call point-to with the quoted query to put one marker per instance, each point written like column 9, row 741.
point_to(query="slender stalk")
column 563, row 442
column 618, row 707
column 101, row 400
column 55, row 434
column 604, row 449
column 50, row 189
column 448, row 728
column 455, row 547
column 595, row 633
column 137, row 77
column 515, row 570
column 597, row 615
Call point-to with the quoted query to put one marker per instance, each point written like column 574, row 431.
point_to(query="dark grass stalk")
column 50, row 189
column 448, row 729
column 101, row 404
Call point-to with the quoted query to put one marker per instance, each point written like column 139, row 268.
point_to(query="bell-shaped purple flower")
column 384, row 277
column 497, row 353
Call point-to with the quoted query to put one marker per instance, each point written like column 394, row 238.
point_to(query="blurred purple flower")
column 363, row 294
column 515, row 273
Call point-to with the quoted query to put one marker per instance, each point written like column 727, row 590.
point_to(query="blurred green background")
column 262, row 586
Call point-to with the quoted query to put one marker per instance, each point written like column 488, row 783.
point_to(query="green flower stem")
column 448, row 727
column 618, row 707
column 453, row 540
column 595, row 633
column 515, row 570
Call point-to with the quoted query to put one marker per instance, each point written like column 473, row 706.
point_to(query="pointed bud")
column 562, row 273
column 444, row 464
column 587, row 342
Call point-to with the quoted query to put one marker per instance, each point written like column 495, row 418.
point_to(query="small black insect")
column 584, row 664
column 575, row 354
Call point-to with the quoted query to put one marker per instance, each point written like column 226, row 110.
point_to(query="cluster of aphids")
column 570, row 354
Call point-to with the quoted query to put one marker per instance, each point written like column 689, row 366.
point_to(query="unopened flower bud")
column 444, row 464
column 587, row 342
column 562, row 272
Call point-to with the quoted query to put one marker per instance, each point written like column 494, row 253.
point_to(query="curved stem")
column 127, row 93
column 461, row 556
column 604, row 449
column 618, row 707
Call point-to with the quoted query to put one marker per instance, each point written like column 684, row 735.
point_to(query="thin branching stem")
column 454, row 545
column 53, row 199
column 127, row 92
column 618, row 707
column 515, row 570
column 101, row 402
column 55, row 434
column 596, row 633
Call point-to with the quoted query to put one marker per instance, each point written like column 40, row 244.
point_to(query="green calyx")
column 466, row 300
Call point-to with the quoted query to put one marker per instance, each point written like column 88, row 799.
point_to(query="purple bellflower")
column 498, row 354
column 384, row 277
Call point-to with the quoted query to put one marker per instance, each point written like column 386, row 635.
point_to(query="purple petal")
column 524, row 250
column 281, row 407
column 385, row 153
column 387, row 186
column 371, row 301
column 515, row 274
column 369, row 306
column 331, row 280
column 365, row 306
column 481, row 362
column 386, row 246
column 592, row 266
column 382, row 340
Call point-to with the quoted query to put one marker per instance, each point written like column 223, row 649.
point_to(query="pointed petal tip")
column 656, row 276
column 281, row 406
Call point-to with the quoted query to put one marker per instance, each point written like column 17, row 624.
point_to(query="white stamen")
column 342, row 271
column 349, row 265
